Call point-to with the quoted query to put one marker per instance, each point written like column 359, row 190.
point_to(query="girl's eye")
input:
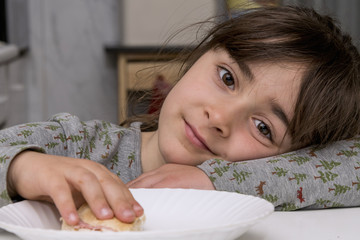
column 263, row 128
column 227, row 78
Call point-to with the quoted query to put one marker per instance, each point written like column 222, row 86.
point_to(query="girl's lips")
column 195, row 138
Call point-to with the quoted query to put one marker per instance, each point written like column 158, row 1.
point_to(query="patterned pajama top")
column 307, row 178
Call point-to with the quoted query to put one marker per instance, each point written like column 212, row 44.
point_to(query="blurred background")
column 63, row 55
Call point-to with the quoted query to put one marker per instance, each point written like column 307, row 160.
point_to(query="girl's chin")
column 185, row 160
column 180, row 154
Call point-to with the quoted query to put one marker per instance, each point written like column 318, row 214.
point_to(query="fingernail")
column 106, row 212
column 72, row 218
column 137, row 208
column 128, row 214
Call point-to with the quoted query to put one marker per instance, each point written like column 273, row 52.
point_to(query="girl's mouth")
column 195, row 138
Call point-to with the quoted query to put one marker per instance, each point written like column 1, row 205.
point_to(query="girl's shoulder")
column 68, row 120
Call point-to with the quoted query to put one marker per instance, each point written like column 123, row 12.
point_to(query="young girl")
column 266, row 82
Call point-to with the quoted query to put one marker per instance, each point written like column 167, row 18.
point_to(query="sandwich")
column 89, row 222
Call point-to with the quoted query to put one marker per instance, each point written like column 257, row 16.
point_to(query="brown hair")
column 328, row 107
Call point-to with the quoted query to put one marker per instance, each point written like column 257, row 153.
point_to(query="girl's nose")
column 219, row 120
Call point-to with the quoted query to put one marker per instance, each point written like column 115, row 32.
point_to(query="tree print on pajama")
column 309, row 178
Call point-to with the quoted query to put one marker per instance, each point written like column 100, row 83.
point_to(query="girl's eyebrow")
column 280, row 113
column 245, row 69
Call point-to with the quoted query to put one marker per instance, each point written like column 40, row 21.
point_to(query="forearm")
column 7, row 155
column 21, row 161
column 305, row 178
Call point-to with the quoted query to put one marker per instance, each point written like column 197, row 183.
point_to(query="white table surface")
column 329, row 224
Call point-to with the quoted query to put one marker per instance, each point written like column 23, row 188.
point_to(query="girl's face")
column 222, row 109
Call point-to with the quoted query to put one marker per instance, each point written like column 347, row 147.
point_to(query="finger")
column 157, row 180
column 62, row 198
column 116, row 193
column 132, row 184
column 88, row 184
column 139, row 211
column 139, row 183
column 125, row 207
column 145, row 180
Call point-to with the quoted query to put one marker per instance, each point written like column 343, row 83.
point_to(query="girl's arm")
column 173, row 176
column 307, row 178
column 27, row 173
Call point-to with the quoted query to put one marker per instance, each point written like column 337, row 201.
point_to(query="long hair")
column 328, row 107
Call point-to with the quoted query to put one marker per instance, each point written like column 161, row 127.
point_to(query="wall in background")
column 151, row 22
column 67, row 68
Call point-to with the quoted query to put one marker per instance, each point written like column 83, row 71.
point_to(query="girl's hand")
column 173, row 176
column 68, row 182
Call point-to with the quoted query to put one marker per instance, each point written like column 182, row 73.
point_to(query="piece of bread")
column 88, row 222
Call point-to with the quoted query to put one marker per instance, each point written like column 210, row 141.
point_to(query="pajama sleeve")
column 309, row 178
column 65, row 135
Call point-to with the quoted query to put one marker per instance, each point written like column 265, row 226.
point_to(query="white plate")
column 170, row 214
